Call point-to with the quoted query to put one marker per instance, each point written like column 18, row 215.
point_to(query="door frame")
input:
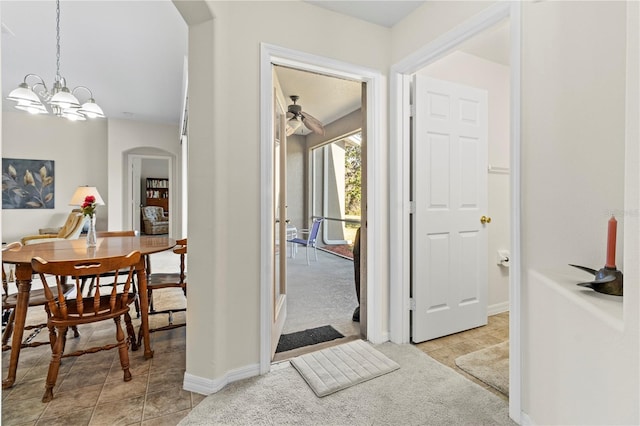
column 128, row 219
column 375, row 269
column 399, row 224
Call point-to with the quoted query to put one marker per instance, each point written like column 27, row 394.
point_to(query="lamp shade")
column 82, row 192
column 23, row 93
column 72, row 114
column 64, row 99
column 91, row 109
column 32, row 108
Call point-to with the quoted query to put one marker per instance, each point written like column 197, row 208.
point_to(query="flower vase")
column 91, row 234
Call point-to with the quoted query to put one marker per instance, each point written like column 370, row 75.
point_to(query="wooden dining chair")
column 157, row 281
column 134, row 287
column 10, row 301
column 65, row 313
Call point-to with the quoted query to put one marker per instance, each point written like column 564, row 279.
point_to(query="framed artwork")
column 27, row 184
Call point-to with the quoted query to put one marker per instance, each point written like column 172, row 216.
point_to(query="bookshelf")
column 158, row 193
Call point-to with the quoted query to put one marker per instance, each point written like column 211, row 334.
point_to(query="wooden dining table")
column 77, row 250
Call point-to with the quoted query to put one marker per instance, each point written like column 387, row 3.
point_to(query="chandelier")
column 60, row 101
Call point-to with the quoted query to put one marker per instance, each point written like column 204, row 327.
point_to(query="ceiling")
column 135, row 65
column 385, row 13
column 132, row 64
column 323, row 97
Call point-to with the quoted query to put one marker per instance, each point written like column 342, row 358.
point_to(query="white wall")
column 580, row 349
column 581, row 354
column 429, row 21
column 85, row 153
column 134, row 137
column 469, row 70
column 153, row 168
column 571, row 74
column 224, row 162
column 78, row 149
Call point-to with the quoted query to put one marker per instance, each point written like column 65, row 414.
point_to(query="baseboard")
column 526, row 420
column 498, row 308
column 206, row 386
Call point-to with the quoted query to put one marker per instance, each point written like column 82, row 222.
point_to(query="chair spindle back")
column 64, row 270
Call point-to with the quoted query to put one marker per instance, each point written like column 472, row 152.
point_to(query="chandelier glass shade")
column 60, row 101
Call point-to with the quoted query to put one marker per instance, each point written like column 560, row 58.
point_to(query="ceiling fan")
column 296, row 117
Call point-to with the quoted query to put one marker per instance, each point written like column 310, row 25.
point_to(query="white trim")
column 170, row 159
column 266, row 203
column 497, row 170
column 271, row 54
column 515, row 271
column 526, row 420
column 204, row 386
column 399, row 223
column 497, row 308
column 376, row 278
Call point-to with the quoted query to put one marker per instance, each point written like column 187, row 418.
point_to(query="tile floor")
column 446, row 349
column 90, row 389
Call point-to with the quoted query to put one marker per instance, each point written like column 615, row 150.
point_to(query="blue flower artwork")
column 27, row 184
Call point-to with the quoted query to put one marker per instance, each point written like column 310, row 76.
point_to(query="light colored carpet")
column 339, row 367
column 321, row 293
column 490, row 365
column 421, row 392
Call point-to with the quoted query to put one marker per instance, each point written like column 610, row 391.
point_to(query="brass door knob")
column 485, row 220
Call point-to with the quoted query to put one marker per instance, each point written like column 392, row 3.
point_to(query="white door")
column 449, row 240
column 279, row 287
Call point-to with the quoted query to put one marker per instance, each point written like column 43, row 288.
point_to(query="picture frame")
column 28, row 184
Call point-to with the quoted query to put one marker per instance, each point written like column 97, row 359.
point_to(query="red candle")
column 611, row 243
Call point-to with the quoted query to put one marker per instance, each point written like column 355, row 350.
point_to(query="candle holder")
column 607, row 280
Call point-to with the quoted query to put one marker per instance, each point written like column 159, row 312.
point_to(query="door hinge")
column 412, row 207
column 412, row 304
column 413, row 111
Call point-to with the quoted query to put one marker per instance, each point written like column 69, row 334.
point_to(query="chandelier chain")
column 59, row 101
column 58, row 40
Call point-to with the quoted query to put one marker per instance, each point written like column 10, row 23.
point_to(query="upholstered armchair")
column 155, row 220
column 71, row 230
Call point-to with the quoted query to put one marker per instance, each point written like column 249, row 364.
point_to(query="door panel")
column 279, row 287
column 449, row 244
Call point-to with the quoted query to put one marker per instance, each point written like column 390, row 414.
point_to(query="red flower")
column 89, row 205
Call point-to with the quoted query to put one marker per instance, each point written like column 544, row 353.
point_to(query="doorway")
column 148, row 177
column 472, row 83
column 401, row 186
column 316, row 175
column 373, row 259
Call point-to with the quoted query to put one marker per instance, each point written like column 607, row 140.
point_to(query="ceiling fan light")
column 90, row 109
column 23, row 93
column 295, row 124
column 64, row 99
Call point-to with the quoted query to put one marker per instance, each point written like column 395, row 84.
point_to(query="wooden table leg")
column 141, row 270
column 23, row 280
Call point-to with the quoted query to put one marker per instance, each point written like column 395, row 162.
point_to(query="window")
column 336, row 188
